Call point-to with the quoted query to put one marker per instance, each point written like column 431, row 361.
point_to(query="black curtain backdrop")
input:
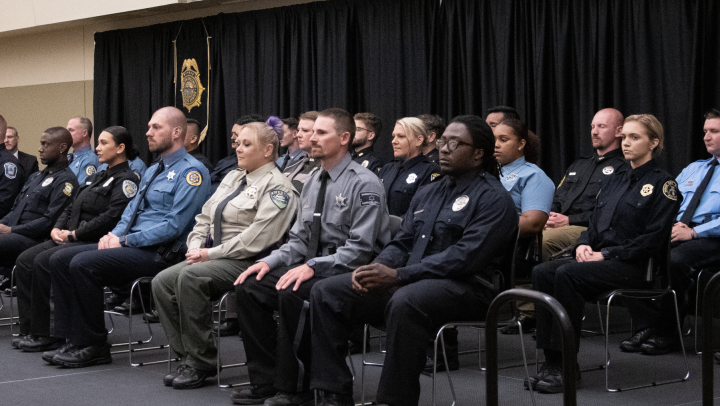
column 556, row 61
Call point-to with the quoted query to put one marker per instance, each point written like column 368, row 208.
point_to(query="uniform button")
column 449, row 220
column 610, row 228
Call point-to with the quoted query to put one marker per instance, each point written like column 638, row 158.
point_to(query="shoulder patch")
column 129, row 189
column 670, row 189
column 369, row 198
column 194, row 178
column 68, row 189
column 90, row 170
column 280, row 199
column 434, row 176
column 10, row 170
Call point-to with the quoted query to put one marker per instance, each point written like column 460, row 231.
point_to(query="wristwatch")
column 311, row 264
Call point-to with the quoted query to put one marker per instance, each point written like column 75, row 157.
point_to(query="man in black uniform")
column 436, row 127
column 575, row 196
column 192, row 143
column 229, row 163
column 12, row 177
column 28, row 162
column 455, row 234
column 368, row 127
column 41, row 200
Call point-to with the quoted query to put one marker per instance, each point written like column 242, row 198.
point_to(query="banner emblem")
column 190, row 86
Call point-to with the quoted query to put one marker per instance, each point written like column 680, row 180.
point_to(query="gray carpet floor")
column 26, row 380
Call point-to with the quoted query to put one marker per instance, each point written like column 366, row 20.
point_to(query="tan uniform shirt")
column 255, row 219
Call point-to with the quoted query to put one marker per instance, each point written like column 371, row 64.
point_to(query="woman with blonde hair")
column 631, row 223
column 411, row 169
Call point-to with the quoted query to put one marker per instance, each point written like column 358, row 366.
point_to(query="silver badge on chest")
column 460, row 203
column 251, row 192
column 411, row 178
column 47, row 181
column 608, row 170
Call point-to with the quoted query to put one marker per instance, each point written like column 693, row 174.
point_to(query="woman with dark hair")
column 631, row 222
column 96, row 209
column 132, row 154
column 411, row 169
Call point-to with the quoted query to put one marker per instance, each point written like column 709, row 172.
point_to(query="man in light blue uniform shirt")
column 136, row 165
column 148, row 239
column 84, row 161
column 695, row 244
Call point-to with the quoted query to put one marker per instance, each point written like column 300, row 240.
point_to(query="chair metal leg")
column 697, row 314
column 12, row 320
column 222, row 308
column 654, row 383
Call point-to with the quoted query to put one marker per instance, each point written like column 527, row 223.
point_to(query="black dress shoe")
column 231, row 327
column 452, row 360
column 114, row 300
column 151, row 317
column 81, row 357
column 192, row 378
column 336, row 399
column 547, row 368
column 124, row 308
column 12, row 292
column 41, row 344
column 634, row 343
column 16, row 340
column 169, row 378
column 291, row 399
column 528, row 325
column 254, row 395
column 660, row 345
column 48, row 356
column 553, row 382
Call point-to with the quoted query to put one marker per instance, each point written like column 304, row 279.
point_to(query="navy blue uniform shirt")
column 402, row 179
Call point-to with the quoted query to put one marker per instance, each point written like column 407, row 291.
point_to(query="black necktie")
column 160, row 169
column 426, row 231
column 217, row 220
column 314, row 242
column 695, row 201
column 285, row 162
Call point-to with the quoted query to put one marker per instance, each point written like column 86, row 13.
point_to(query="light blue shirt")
column 708, row 211
column 168, row 209
column 528, row 185
column 137, row 165
column 84, row 164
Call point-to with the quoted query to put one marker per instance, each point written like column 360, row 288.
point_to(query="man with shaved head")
column 149, row 238
column 42, row 199
column 574, row 198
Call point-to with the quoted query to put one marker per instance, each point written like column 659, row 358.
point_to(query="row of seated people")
column 334, row 241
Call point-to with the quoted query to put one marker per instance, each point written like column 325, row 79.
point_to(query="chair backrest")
column 503, row 278
column 395, row 222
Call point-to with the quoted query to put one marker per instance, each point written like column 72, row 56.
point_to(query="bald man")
column 149, row 238
column 41, row 200
column 575, row 196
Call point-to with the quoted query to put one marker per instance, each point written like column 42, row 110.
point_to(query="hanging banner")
column 192, row 79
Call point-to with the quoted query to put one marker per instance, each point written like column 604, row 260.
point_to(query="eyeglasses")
column 452, row 144
column 364, row 129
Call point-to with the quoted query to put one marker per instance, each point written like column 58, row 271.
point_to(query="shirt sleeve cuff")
column 214, row 252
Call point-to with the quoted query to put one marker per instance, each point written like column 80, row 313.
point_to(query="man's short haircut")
column 291, row 122
column 433, row 123
column 62, row 134
column 344, row 122
column 193, row 121
column 507, row 112
column 311, row 115
column 14, row 130
column 249, row 118
column 3, row 125
column 87, row 124
column 372, row 123
column 712, row 113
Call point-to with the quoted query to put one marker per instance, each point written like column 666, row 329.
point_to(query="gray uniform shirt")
column 355, row 221
column 252, row 221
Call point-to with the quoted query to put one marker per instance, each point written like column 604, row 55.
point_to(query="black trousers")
column 32, row 274
column 11, row 246
column 269, row 345
column 572, row 283
column 78, row 284
column 412, row 316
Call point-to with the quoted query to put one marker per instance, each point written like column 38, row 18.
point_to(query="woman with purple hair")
column 250, row 211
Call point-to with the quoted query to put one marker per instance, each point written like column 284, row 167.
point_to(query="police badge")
column 10, row 170
column 190, row 86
